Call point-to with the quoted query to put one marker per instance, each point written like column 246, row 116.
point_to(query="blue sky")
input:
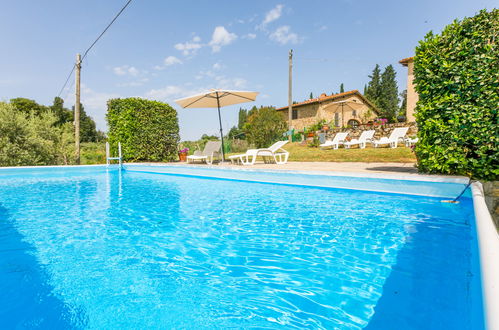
column 165, row 50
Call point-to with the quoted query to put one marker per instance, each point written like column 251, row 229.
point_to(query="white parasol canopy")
column 217, row 98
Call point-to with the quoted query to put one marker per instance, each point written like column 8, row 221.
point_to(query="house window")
column 354, row 113
column 337, row 119
column 294, row 114
column 353, row 123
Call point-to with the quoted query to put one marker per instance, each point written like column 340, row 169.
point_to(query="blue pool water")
column 106, row 249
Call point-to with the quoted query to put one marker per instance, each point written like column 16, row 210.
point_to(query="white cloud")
column 249, row 36
column 221, row 37
column 168, row 61
column 272, row 15
column 283, row 35
column 189, row 47
column 135, row 83
column 217, row 66
column 171, row 60
column 126, row 70
column 172, row 92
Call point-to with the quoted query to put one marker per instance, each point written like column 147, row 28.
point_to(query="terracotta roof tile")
column 331, row 97
column 405, row 61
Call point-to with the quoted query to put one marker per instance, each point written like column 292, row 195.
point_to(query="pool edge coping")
column 488, row 242
column 356, row 174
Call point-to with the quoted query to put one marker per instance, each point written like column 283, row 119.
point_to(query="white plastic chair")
column 338, row 139
column 210, row 152
column 273, row 154
column 365, row 137
column 397, row 134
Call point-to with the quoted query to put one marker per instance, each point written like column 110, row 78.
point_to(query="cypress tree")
column 389, row 100
column 342, row 88
column 311, row 95
column 373, row 91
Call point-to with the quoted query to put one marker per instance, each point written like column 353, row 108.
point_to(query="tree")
column 403, row 105
column 365, row 90
column 236, row 133
column 243, row 115
column 342, row 88
column 27, row 106
column 63, row 115
column 264, row 127
column 373, row 92
column 388, row 101
column 148, row 130
column 88, row 131
column 311, row 95
column 456, row 78
column 26, row 139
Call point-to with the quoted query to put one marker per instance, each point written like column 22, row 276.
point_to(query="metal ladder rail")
column 109, row 159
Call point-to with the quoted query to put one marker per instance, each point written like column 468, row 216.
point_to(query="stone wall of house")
column 380, row 130
column 309, row 114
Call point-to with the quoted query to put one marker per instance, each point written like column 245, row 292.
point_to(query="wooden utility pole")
column 77, row 110
column 290, row 95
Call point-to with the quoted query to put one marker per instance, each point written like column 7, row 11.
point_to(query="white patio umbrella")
column 217, row 98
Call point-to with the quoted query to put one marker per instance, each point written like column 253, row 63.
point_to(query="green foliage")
column 27, row 106
column 243, row 116
column 457, row 79
column 93, row 153
column 311, row 95
column 33, row 139
column 373, row 91
column 64, row 115
column 403, row 105
column 148, row 130
column 342, row 88
column 388, row 101
column 236, row 133
column 264, row 127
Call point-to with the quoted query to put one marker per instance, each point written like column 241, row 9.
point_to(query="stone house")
column 339, row 110
column 412, row 95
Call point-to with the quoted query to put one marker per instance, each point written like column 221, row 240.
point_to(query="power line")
column 93, row 44
column 107, row 27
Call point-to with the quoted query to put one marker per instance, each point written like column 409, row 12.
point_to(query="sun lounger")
column 210, row 152
column 410, row 142
column 365, row 137
column 396, row 135
column 336, row 141
column 274, row 154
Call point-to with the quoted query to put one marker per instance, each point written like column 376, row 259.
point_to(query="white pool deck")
column 487, row 235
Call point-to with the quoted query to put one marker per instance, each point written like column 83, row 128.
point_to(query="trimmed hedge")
column 148, row 130
column 457, row 79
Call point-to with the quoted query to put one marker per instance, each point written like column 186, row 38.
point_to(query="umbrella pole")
column 221, row 132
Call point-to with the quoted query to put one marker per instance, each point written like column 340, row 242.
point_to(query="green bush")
column 457, row 79
column 33, row 139
column 147, row 130
column 264, row 126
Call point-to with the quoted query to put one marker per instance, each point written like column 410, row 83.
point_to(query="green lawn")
column 303, row 153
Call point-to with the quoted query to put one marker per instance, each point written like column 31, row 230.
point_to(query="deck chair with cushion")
column 208, row 155
column 274, row 154
column 366, row 136
column 338, row 139
column 393, row 140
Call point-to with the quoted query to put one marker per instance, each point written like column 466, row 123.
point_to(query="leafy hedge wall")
column 147, row 130
column 457, row 79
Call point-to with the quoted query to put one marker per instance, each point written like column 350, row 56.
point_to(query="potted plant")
column 182, row 154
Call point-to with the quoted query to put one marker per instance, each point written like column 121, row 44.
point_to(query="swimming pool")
column 98, row 248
